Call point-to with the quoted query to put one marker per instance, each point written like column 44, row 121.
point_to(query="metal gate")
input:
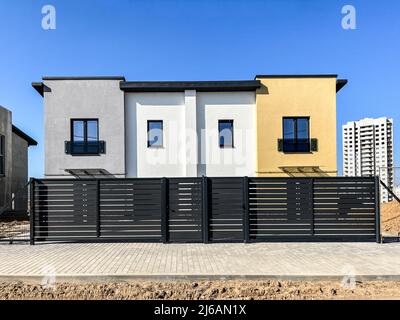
column 226, row 209
column 185, row 210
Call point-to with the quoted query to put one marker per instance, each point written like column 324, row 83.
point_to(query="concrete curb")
column 189, row 277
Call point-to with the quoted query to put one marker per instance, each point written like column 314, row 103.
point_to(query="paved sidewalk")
column 124, row 261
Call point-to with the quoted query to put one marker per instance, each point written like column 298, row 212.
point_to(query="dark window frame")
column 2, row 155
column 149, row 145
column 85, row 136
column 296, row 144
column 224, row 146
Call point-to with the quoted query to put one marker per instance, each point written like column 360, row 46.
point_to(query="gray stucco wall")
column 68, row 99
column 19, row 173
column 5, row 181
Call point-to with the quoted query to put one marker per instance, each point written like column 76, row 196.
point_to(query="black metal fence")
column 234, row 209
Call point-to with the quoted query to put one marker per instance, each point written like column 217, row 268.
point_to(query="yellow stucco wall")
column 301, row 96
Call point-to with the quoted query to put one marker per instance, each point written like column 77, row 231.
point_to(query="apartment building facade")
column 107, row 126
column 368, row 150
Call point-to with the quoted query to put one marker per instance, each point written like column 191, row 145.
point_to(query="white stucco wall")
column 168, row 161
column 68, row 99
column 190, row 128
column 191, row 141
column 236, row 106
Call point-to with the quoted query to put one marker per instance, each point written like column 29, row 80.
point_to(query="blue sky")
column 201, row 40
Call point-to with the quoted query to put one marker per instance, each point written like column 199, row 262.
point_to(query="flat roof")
column 340, row 83
column 23, row 135
column 296, row 76
column 84, row 78
column 176, row 86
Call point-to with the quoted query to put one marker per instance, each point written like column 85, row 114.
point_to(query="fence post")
column 204, row 183
column 164, row 210
column 377, row 210
column 312, row 208
column 32, row 210
column 246, row 224
column 98, row 208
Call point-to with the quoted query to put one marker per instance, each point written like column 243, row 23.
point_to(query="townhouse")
column 274, row 125
column 296, row 125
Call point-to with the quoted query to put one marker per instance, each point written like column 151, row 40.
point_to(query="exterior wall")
column 19, row 173
column 168, row 161
column 236, row 106
column 68, row 99
column 191, row 141
column 190, row 128
column 368, row 150
column 311, row 97
column 5, row 181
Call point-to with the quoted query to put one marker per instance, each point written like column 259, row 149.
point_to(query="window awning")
column 89, row 173
column 304, row 171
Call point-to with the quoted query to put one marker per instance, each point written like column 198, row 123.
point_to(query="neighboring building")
column 13, row 164
column 106, row 126
column 368, row 150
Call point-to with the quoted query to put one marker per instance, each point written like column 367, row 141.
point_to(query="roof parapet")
column 122, row 78
column 201, row 86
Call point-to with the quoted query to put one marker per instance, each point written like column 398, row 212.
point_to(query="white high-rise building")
column 368, row 150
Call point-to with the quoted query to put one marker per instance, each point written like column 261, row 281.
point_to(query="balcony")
column 78, row 148
column 299, row 145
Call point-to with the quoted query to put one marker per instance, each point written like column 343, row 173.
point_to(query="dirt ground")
column 204, row 290
column 12, row 228
column 390, row 217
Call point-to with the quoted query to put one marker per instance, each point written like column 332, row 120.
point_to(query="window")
column 154, row 133
column 85, row 136
column 2, row 155
column 296, row 134
column 225, row 129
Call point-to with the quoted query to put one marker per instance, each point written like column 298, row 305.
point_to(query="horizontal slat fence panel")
column 280, row 207
column 216, row 209
column 344, row 207
column 185, row 210
column 65, row 209
column 130, row 208
column 226, row 214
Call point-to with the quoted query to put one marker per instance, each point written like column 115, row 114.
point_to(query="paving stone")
column 214, row 260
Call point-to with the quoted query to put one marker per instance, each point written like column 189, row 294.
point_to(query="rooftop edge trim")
column 23, row 135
